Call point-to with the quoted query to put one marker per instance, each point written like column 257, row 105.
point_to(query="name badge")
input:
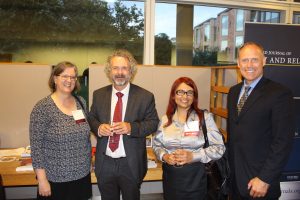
column 78, row 116
column 191, row 128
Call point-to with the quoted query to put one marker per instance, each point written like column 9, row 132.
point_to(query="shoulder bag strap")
column 204, row 130
column 80, row 102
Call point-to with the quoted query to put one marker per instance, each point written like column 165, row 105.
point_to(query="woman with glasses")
column 60, row 139
column 179, row 143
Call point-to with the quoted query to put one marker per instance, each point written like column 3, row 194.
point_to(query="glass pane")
column 296, row 18
column 165, row 34
column 239, row 40
column 205, row 20
column 224, row 25
column 207, row 33
column 263, row 16
column 226, row 33
column 224, row 45
column 240, row 20
column 82, row 32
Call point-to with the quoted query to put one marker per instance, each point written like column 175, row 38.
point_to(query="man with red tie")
column 122, row 115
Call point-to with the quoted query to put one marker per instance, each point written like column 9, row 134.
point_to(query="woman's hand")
column 169, row 158
column 182, row 156
column 43, row 183
column 44, row 188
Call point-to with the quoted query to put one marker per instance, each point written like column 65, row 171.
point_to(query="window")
column 296, row 18
column 224, row 45
column 197, row 37
column 79, row 31
column 86, row 31
column 264, row 16
column 165, row 34
column 224, row 25
column 239, row 20
column 239, row 40
column 207, row 33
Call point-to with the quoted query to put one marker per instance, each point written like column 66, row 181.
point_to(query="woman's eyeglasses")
column 66, row 77
column 188, row 93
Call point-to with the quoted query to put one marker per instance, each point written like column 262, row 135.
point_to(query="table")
column 12, row 178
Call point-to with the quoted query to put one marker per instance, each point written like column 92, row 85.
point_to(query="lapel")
column 235, row 98
column 130, row 102
column 253, row 97
column 107, row 101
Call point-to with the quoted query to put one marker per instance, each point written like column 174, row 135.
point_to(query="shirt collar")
column 125, row 91
column 254, row 83
column 192, row 117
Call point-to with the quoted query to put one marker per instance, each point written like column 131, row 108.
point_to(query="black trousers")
column 235, row 194
column 116, row 178
column 80, row 189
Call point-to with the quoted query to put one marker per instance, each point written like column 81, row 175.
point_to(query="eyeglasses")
column 66, row 77
column 188, row 93
column 122, row 68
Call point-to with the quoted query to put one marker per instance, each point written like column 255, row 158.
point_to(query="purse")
column 217, row 173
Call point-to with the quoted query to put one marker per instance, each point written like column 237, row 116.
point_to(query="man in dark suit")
column 121, row 156
column 261, row 128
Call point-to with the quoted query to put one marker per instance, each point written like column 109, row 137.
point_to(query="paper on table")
column 24, row 168
column 152, row 164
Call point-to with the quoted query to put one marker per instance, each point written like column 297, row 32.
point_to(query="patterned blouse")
column 167, row 140
column 58, row 144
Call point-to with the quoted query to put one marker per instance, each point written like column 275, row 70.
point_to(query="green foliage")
column 163, row 49
column 205, row 58
column 68, row 21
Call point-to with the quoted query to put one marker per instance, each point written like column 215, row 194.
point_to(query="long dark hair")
column 172, row 104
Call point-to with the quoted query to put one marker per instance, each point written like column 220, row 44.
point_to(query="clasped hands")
column 178, row 157
column 115, row 128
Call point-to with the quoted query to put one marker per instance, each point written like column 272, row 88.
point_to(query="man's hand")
column 105, row 130
column 121, row 128
column 258, row 188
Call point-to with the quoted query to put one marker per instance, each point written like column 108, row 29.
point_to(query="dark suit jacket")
column 142, row 116
column 261, row 137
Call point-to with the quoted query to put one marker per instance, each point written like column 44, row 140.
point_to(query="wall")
column 23, row 85
column 158, row 80
column 81, row 54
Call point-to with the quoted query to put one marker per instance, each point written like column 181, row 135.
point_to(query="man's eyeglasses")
column 188, row 93
column 122, row 68
column 66, row 77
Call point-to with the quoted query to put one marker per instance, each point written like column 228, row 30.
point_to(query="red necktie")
column 114, row 140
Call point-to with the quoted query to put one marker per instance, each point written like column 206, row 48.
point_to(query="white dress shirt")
column 120, row 151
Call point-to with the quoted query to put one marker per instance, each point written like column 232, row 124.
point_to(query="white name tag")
column 191, row 128
column 78, row 116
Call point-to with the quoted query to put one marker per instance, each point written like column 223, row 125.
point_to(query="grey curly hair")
column 125, row 54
